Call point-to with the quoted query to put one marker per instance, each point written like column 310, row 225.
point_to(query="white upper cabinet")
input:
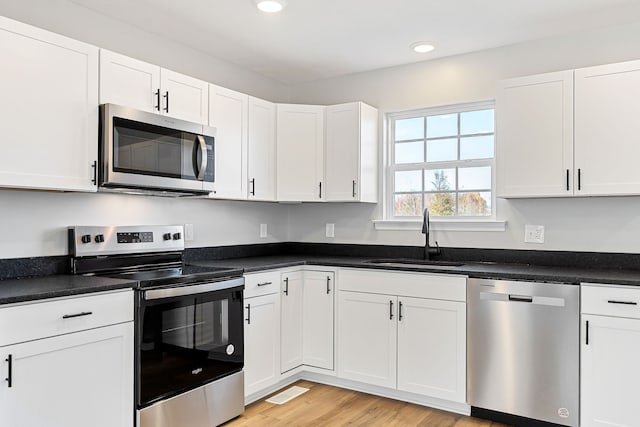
column 351, row 153
column 300, row 152
column 137, row 84
column 128, row 81
column 262, row 150
column 49, row 110
column 535, row 136
column 184, row 97
column 607, row 107
column 228, row 111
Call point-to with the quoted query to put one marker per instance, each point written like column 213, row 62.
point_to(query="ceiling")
column 318, row 39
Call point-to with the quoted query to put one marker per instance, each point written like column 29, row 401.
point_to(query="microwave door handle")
column 203, row 160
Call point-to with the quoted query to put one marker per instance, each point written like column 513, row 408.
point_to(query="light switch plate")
column 188, row 232
column 330, row 231
column 263, row 231
column 534, row 233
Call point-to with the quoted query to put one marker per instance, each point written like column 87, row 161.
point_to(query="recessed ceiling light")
column 270, row 6
column 422, row 47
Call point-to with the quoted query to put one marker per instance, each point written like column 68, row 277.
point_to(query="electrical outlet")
column 534, row 233
column 263, row 231
column 188, row 232
column 330, row 231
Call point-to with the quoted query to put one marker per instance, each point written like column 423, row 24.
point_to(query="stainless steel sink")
column 415, row 262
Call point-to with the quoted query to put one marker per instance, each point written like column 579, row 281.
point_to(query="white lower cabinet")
column 291, row 321
column 610, row 351
column 262, row 342
column 261, row 331
column 80, row 378
column 367, row 338
column 431, row 356
column 400, row 338
column 317, row 319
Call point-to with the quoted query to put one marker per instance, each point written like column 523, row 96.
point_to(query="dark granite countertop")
column 484, row 270
column 31, row 289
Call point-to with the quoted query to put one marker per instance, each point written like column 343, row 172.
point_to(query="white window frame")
column 452, row 223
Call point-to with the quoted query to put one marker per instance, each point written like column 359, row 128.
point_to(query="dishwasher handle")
column 520, row 298
column 554, row 301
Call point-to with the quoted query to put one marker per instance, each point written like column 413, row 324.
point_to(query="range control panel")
column 92, row 241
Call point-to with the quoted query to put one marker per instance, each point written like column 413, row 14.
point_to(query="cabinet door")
column 228, row 114
column 300, row 152
column 262, row 150
column 49, row 87
column 73, row 380
column 351, row 153
column 610, row 373
column 129, row 82
column 342, row 152
column 184, row 97
column 262, row 342
column 291, row 327
column 535, row 136
column 432, row 348
column 318, row 319
column 367, row 338
column 607, row 106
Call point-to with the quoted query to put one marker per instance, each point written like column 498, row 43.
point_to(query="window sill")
column 442, row 225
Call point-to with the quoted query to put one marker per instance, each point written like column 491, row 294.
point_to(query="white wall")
column 34, row 223
column 75, row 21
column 590, row 224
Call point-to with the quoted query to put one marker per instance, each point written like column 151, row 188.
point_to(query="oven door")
column 149, row 151
column 187, row 336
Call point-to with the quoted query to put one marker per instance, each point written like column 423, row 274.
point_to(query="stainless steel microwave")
column 149, row 153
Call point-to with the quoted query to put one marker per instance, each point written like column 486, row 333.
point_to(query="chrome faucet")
column 428, row 250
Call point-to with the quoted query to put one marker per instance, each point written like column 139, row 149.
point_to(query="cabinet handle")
column 622, row 302
column 157, row 94
column 265, row 283
column 390, row 309
column 320, row 191
column 328, row 287
column 354, row 188
column 9, row 378
column 95, row 172
column 399, row 311
column 84, row 313
column 579, row 180
column 166, row 104
column 286, row 286
column 253, row 187
column 587, row 334
column 567, row 179
column 248, row 319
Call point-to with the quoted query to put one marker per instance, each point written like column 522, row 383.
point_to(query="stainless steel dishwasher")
column 523, row 345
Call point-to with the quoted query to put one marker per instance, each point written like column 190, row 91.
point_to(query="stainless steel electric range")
column 188, row 324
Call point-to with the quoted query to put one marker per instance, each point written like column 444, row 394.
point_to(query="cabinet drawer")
column 420, row 285
column 611, row 301
column 261, row 283
column 36, row 320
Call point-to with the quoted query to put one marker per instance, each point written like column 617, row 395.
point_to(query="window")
column 442, row 159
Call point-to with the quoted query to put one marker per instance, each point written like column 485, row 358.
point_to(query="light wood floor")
column 330, row 406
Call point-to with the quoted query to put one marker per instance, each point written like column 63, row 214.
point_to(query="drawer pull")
column 622, row 302
column 84, row 313
column 9, row 378
column 265, row 283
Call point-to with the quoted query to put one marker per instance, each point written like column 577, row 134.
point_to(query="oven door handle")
column 154, row 294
